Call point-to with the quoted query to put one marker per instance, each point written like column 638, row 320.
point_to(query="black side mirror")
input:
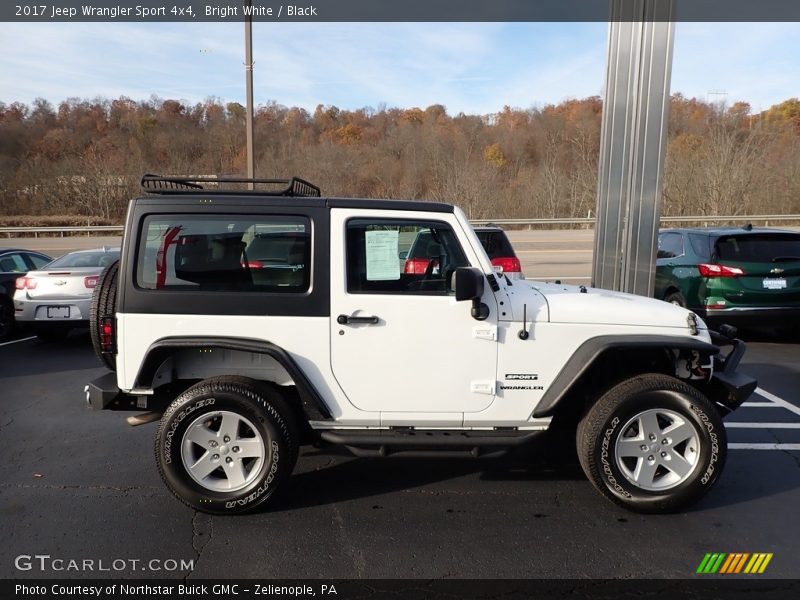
column 469, row 283
column 469, row 286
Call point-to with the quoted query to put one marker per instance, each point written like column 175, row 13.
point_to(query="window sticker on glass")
column 383, row 249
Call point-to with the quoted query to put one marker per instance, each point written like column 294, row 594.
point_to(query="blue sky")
column 475, row 68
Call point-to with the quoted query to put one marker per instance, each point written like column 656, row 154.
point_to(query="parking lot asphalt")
column 77, row 484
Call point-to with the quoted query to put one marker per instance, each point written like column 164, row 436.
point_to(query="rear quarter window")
column 701, row 244
column 243, row 253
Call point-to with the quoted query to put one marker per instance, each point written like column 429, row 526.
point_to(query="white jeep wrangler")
column 253, row 321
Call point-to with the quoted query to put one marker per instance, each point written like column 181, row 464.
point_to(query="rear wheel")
column 676, row 298
column 652, row 444
column 104, row 304
column 226, row 445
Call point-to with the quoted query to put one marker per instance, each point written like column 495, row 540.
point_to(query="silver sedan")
column 57, row 297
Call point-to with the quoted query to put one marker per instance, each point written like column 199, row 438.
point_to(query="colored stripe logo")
column 733, row 563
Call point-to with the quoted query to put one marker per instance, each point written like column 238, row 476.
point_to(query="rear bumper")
column 102, row 392
column 27, row 310
column 751, row 316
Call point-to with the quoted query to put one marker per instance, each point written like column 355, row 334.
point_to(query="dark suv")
column 744, row 276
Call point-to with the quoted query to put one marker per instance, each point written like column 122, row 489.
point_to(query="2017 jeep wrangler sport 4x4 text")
column 251, row 321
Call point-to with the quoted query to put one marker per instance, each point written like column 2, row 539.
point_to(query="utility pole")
column 248, row 72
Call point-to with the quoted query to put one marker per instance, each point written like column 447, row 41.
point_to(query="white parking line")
column 772, row 402
column 762, row 425
column 551, row 278
column 738, row 446
column 779, row 401
column 33, row 337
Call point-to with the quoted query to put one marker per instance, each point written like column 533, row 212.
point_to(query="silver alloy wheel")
column 222, row 451
column 657, row 450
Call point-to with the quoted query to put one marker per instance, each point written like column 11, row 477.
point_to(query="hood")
column 569, row 304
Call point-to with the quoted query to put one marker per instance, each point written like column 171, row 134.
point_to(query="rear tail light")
column 717, row 305
column 91, row 281
column 416, row 266
column 253, row 264
column 25, row 283
column 712, row 270
column 107, row 334
column 509, row 264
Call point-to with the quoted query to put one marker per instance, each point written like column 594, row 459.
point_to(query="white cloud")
column 469, row 67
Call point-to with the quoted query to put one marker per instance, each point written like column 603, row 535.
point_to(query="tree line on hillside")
column 86, row 157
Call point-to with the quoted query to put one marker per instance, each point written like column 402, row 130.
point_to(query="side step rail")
column 418, row 442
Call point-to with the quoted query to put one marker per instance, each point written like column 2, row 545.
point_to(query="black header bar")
column 398, row 11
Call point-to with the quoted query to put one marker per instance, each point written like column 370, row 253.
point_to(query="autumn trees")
column 85, row 157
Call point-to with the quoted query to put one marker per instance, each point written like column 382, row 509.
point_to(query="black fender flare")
column 313, row 404
column 592, row 348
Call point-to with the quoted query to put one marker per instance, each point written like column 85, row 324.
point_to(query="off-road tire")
column 6, row 319
column 259, row 403
column 104, row 303
column 676, row 298
column 601, row 428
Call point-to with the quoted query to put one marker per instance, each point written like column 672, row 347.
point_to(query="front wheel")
column 652, row 444
column 6, row 319
column 226, row 445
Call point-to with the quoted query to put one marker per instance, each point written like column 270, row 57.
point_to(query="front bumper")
column 729, row 387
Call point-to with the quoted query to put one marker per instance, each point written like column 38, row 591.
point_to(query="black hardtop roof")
column 216, row 201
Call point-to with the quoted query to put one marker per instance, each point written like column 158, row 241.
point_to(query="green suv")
column 744, row 276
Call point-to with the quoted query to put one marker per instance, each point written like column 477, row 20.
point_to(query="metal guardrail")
column 705, row 219
column 765, row 219
column 87, row 229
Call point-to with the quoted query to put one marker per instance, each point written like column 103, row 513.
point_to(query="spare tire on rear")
column 104, row 304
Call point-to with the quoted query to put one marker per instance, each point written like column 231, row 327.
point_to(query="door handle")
column 348, row 320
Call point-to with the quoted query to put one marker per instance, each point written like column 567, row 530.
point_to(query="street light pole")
column 248, row 71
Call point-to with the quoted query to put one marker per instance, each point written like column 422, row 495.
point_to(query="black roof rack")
column 156, row 184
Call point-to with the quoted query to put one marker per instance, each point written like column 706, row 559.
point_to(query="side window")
column 387, row 256
column 13, row 263
column 243, row 253
column 670, row 245
column 38, row 261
